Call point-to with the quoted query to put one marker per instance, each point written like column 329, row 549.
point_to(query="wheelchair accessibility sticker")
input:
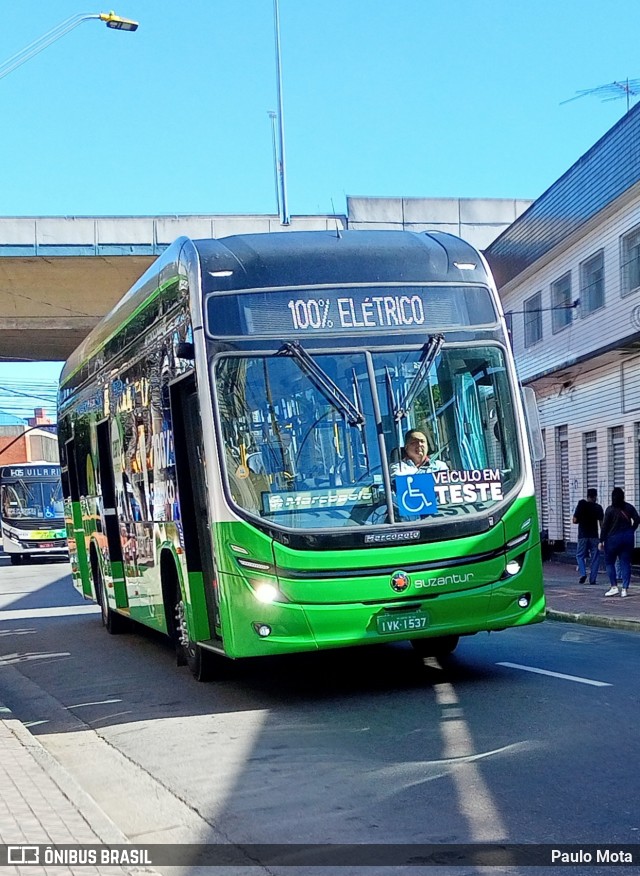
column 416, row 494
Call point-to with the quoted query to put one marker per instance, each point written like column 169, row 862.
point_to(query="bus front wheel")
column 16, row 559
column 199, row 661
column 437, row 646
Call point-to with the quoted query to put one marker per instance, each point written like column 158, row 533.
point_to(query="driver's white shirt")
column 408, row 466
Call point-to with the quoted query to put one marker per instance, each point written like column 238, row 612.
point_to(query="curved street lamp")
column 110, row 19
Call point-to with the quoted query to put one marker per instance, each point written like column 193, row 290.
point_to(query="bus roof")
column 322, row 257
column 293, row 258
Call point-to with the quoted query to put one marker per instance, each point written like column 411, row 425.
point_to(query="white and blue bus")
column 32, row 512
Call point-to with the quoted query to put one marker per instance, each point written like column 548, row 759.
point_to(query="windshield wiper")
column 321, row 380
column 429, row 353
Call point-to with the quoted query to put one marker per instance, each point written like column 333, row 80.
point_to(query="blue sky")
column 403, row 98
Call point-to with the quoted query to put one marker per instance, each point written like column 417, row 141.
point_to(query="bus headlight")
column 524, row 600
column 266, row 593
column 263, row 630
column 513, row 567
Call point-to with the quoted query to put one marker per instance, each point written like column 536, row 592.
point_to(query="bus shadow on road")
column 379, row 670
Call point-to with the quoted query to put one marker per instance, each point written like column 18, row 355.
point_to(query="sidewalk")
column 40, row 802
column 586, row 603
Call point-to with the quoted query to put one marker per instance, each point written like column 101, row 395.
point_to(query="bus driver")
column 415, row 456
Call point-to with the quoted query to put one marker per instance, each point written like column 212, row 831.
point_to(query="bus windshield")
column 301, row 456
column 29, row 500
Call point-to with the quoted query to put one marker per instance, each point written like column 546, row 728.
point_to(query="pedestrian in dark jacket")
column 617, row 538
column 588, row 515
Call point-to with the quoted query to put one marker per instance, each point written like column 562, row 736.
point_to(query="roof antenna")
column 335, row 216
column 611, row 91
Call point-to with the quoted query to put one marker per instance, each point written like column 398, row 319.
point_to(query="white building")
column 568, row 270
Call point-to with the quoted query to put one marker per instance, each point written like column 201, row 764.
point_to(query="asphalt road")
column 524, row 736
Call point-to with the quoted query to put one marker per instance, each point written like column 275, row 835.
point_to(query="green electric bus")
column 231, row 438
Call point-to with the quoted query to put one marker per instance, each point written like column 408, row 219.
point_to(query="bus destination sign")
column 276, row 313
column 26, row 472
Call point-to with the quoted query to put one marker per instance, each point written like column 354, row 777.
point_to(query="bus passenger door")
column 192, row 489
column 110, row 538
column 76, row 535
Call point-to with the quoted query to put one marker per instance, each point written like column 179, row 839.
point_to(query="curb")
column 593, row 620
column 105, row 829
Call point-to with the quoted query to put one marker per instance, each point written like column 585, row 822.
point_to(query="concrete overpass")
column 60, row 275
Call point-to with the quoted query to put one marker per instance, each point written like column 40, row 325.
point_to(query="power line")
column 19, row 398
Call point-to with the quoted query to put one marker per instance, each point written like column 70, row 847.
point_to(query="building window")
column 630, row 262
column 617, row 474
column 592, row 284
column 561, row 312
column 562, row 475
column 590, row 457
column 533, row 320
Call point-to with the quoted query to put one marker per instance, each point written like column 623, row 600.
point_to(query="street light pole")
column 274, row 143
column 111, row 20
column 285, row 219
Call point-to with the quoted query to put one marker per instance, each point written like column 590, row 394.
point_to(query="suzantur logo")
column 400, row 581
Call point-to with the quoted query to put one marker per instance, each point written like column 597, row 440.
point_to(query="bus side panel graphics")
column 144, row 581
column 78, row 550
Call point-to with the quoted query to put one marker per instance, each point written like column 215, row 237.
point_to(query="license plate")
column 402, row 623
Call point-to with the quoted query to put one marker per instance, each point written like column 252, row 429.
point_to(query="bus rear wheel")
column 437, row 646
column 200, row 662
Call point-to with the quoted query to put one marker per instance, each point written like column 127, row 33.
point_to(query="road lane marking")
column 10, row 659
column 97, row 703
column 53, row 611
column 556, row 674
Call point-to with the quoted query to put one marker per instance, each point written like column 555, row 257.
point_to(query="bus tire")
column 437, row 646
column 201, row 663
column 16, row 559
column 113, row 622
column 170, row 599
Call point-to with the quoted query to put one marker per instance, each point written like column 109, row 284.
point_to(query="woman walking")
column 616, row 539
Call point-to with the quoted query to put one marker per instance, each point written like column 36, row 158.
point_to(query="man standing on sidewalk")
column 588, row 515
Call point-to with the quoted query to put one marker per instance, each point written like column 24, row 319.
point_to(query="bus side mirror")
column 185, row 350
column 533, row 423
